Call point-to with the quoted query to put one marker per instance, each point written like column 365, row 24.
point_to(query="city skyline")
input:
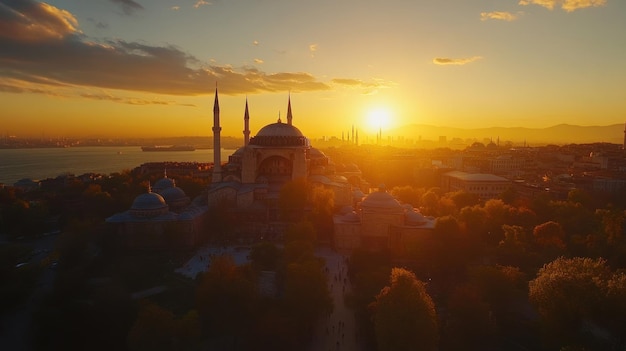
column 139, row 69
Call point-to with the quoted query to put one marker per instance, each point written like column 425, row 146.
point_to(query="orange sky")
column 138, row 68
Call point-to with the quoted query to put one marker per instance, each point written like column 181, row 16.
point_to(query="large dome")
column 279, row 129
column 280, row 135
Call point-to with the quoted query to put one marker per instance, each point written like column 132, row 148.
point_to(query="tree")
column 430, row 201
column 292, row 199
column 322, row 205
column 265, row 256
column 225, row 297
column 568, row 292
column 549, row 236
column 158, row 329
column 469, row 324
column 404, row 315
column 306, row 293
column 408, row 194
column 463, row 198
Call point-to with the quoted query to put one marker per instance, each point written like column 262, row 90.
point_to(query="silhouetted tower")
column 353, row 134
column 246, row 125
column 289, row 116
column 356, row 141
column 217, row 148
column 342, row 139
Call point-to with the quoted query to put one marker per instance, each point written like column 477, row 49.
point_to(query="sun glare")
column 378, row 118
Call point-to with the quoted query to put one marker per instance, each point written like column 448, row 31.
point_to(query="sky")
column 139, row 68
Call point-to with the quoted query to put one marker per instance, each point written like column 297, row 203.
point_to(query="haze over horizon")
column 125, row 68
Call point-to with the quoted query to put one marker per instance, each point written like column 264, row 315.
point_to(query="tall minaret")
column 289, row 116
column 246, row 125
column 217, row 160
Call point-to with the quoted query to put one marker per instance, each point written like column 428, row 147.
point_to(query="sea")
column 38, row 164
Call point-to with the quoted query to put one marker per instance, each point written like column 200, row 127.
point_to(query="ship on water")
column 169, row 148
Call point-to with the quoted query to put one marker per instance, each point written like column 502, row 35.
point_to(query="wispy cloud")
column 128, row 6
column 255, row 43
column 43, row 48
column 131, row 101
column 567, row 5
column 455, row 61
column 498, row 15
column 175, row 8
column 201, row 3
column 258, row 60
column 369, row 88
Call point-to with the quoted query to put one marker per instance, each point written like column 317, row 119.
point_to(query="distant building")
column 380, row 222
column 165, row 218
column 486, row 186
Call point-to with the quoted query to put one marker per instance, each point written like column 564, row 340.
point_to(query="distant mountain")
column 558, row 134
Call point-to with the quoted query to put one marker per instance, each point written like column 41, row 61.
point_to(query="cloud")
column 458, row 61
column 201, row 3
column 258, row 60
column 175, row 8
column 370, row 88
column 128, row 6
column 131, row 101
column 31, row 21
column 255, row 43
column 355, row 83
column 498, row 15
column 567, row 5
column 43, row 50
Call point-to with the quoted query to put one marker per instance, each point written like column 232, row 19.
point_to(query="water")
column 37, row 164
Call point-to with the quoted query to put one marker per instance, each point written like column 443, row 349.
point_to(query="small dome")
column 357, row 194
column 346, row 209
column 318, row 178
column 149, row 205
column 352, row 217
column 279, row 129
column 414, row 218
column 163, row 184
column 148, row 201
column 381, row 199
column 174, row 194
column 315, row 153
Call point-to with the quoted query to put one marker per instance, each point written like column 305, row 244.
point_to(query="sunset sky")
column 137, row 68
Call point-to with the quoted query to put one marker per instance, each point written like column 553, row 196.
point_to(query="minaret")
column 217, row 161
column 353, row 134
column 356, row 141
column 246, row 125
column 289, row 116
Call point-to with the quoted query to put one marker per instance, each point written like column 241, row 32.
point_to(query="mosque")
column 250, row 182
column 248, row 188
column 163, row 217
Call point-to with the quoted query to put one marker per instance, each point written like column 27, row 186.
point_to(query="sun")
column 378, row 118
